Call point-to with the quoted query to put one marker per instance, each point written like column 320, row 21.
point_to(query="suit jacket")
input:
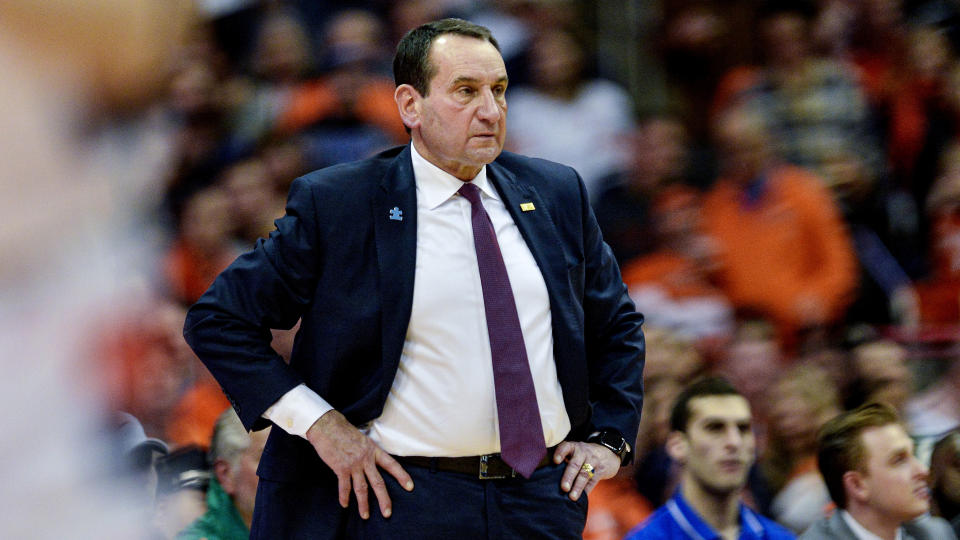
column 341, row 263
column 923, row 528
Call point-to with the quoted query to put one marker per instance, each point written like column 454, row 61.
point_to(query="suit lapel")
column 395, row 232
column 536, row 226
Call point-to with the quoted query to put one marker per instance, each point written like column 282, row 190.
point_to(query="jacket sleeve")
column 836, row 261
column 268, row 287
column 613, row 337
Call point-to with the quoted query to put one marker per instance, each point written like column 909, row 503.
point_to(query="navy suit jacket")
column 341, row 264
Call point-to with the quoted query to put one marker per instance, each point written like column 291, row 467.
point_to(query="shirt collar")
column 860, row 531
column 695, row 527
column 435, row 186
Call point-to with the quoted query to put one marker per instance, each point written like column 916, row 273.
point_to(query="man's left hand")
column 576, row 479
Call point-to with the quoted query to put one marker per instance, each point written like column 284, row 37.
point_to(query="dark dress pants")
column 462, row 507
column 443, row 505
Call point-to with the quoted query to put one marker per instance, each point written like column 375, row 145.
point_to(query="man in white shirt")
column 464, row 328
column 879, row 486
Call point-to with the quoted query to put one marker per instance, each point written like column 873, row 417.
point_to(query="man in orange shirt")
column 784, row 251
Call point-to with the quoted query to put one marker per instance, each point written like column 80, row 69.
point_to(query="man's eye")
column 465, row 91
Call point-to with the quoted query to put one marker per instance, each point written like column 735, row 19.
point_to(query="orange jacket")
column 790, row 244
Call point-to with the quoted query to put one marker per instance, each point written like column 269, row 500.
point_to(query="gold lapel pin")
column 527, row 207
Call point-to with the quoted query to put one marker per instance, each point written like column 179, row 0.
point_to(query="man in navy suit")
column 417, row 275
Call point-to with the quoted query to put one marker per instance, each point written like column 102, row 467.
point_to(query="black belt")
column 486, row 467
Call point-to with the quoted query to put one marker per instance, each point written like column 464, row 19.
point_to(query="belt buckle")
column 485, row 471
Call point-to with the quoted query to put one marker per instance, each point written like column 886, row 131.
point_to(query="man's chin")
column 725, row 486
column 486, row 154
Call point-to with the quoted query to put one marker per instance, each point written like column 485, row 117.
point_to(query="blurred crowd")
column 788, row 216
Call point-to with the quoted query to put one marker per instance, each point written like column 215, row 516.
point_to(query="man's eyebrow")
column 726, row 419
column 473, row 80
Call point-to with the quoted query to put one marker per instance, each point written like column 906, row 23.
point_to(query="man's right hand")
column 355, row 458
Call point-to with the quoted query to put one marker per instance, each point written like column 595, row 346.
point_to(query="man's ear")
column 678, row 447
column 408, row 103
column 222, row 470
column 855, row 486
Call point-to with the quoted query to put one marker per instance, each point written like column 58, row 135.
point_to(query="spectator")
column 699, row 41
column 945, row 479
column 879, row 486
column 587, row 117
column 784, row 251
column 939, row 293
column 671, row 285
column 281, row 61
column 914, row 221
column 343, row 106
column 234, row 456
column 203, row 247
column 658, row 158
column 204, row 144
column 801, row 401
column 138, row 456
column 881, row 374
column 752, row 360
column 936, row 409
column 183, row 478
column 195, row 414
column 254, row 201
column 712, row 439
column 355, row 83
column 814, row 105
column 145, row 364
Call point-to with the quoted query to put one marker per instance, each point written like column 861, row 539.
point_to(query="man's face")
column 894, row 481
column 463, row 119
column 744, row 146
column 718, row 447
column 946, row 469
column 244, row 480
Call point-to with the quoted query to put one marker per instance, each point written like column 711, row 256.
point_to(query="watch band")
column 612, row 440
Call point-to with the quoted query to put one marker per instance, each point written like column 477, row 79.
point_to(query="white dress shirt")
column 442, row 401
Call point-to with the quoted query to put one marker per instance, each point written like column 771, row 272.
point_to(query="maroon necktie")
column 521, row 433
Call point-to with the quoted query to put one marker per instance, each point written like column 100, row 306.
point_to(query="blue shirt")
column 675, row 520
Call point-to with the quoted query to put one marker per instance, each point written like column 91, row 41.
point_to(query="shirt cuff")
column 297, row 410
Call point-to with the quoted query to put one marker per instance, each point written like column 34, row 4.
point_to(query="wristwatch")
column 612, row 440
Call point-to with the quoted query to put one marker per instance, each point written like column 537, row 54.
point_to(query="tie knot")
column 471, row 192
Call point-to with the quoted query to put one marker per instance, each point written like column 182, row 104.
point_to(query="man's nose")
column 920, row 470
column 734, row 437
column 489, row 109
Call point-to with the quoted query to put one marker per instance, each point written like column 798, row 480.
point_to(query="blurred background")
column 779, row 181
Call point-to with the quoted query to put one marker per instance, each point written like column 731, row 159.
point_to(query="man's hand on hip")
column 577, row 479
column 354, row 458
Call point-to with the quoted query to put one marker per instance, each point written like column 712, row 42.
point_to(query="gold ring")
column 588, row 468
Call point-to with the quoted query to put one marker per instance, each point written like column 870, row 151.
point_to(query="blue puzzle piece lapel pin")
column 396, row 214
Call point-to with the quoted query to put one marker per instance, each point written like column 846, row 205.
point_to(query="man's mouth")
column 731, row 465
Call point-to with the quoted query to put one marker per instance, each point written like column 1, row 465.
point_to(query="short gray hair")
column 229, row 439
